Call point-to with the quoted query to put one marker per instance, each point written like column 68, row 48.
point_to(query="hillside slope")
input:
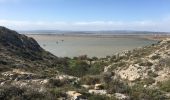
column 28, row 72
column 20, row 51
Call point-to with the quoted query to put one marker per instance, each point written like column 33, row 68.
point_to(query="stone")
column 86, row 86
column 75, row 95
column 98, row 86
column 100, row 92
column 131, row 73
column 121, row 96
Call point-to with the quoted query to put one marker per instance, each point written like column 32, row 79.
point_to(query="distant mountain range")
column 111, row 32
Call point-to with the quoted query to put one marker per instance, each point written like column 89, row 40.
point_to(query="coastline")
column 157, row 37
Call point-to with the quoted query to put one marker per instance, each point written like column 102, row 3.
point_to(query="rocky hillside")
column 12, row 39
column 28, row 72
column 20, row 51
column 151, row 62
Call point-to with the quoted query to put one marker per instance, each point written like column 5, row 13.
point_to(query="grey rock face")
column 13, row 39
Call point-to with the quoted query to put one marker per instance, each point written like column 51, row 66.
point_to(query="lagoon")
column 70, row 46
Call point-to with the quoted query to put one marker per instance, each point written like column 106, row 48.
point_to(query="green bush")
column 107, row 77
column 90, row 80
column 101, row 97
column 138, row 92
column 78, row 68
column 152, row 74
column 147, row 81
column 116, row 86
column 165, row 86
column 155, row 57
column 145, row 64
column 96, row 68
column 164, row 62
column 15, row 93
column 56, row 83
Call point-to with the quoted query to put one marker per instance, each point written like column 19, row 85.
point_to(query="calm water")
column 71, row 46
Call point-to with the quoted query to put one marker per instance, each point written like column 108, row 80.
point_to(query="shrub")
column 94, row 58
column 96, row 68
column 107, row 77
column 147, row 81
column 90, row 80
column 57, row 93
column 138, row 92
column 101, row 97
column 165, row 86
column 117, row 86
column 164, row 62
column 155, row 57
column 145, row 64
column 16, row 93
column 55, row 83
column 78, row 68
column 152, row 74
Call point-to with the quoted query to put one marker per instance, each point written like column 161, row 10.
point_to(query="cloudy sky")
column 142, row 15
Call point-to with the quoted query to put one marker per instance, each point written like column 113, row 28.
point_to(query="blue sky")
column 145, row 15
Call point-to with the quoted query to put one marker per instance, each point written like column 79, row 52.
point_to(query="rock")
column 120, row 96
column 12, row 38
column 163, row 75
column 42, row 89
column 2, row 83
column 65, row 77
column 167, row 40
column 45, row 81
column 86, row 86
column 107, row 68
column 18, row 71
column 145, row 86
column 75, row 95
column 131, row 73
column 100, row 92
column 20, row 84
column 7, row 74
column 98, row 86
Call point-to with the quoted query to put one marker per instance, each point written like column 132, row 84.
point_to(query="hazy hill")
column 111, row 32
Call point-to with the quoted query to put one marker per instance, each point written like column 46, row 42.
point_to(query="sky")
column 86, row 15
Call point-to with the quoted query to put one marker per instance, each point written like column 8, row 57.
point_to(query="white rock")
column 45, row 81
column 107, row 68
column 74, row 95
column 121, row 96
column 100, row 92
column 98, row 86
column 86, row 86
column 131, row 73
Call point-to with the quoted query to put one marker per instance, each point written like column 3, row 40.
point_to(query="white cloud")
column 90, row 25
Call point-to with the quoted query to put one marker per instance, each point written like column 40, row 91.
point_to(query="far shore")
column 141, row 36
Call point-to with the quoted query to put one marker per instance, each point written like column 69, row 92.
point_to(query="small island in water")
column 31, row 70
